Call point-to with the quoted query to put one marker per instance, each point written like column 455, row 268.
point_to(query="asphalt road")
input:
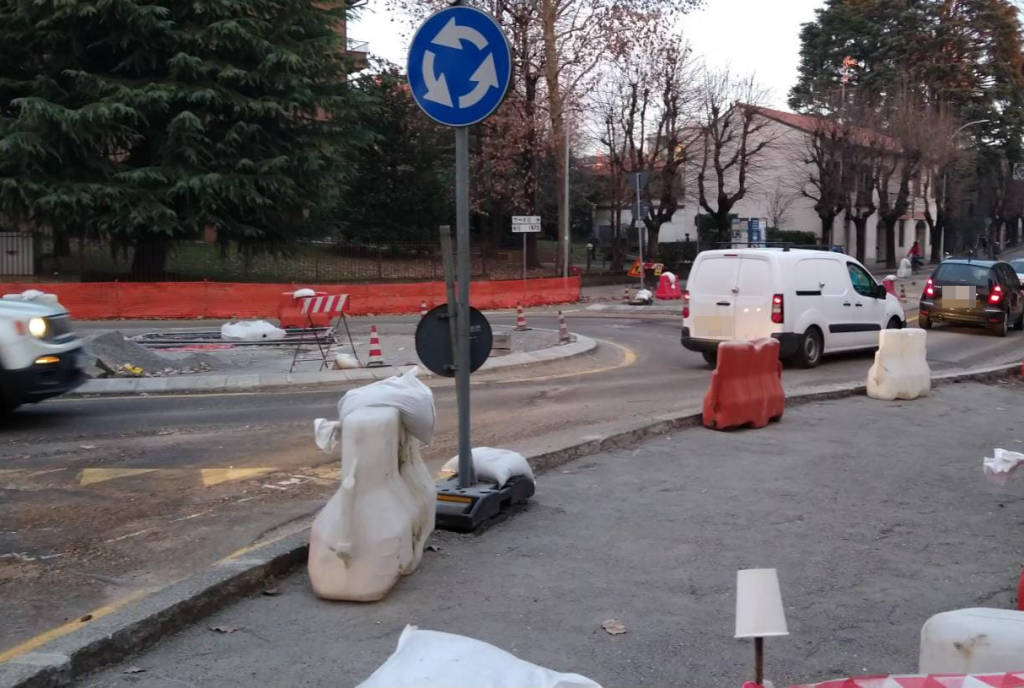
column 101, row 497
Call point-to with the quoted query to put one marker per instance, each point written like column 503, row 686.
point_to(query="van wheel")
column 809, row 354
column 924, row 322
column 710, row 357
column 894, row 324
column 1003, row 325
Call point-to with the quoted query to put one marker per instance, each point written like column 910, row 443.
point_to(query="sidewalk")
column 876, row 514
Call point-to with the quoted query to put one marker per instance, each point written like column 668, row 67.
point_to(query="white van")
column 813, row 302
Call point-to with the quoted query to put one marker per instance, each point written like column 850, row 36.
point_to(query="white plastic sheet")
column 999, row 467
column 300, row 293
column 33, row 295
column 644, row 296
column 405, row 392
column 492, row 465
column 432, row 659
column 251, row 331
column 344, row 361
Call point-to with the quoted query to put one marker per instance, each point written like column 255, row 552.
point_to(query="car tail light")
column 686, row 303
column 929, row 288
column 995, row 297
column 778, row 308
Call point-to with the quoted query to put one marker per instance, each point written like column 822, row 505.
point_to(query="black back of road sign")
column 434, row 344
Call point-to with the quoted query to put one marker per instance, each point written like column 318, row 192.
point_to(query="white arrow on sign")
column 452, row 35
column 437, row 86
column 486, row 77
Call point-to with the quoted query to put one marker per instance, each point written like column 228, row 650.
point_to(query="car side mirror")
column 880, row 292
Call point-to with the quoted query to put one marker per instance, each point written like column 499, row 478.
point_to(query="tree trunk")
column 827, row 223
column 860, row 225
column 651, row 249
column 556, row 102
column 890, row 241
column 936, row 228
column 149, row 261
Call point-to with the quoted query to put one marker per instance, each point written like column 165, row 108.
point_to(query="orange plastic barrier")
column 746, row 387
column 668, row 287
column 110, row 300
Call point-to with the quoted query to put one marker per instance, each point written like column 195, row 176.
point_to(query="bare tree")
column 646, row 112
column 900, row 157
column 778, row 202
column 824, row 161
column 731, row 139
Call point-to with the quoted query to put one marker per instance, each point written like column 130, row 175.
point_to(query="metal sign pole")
column 524, row 256
column 467, row 475
column 447, row 260
column 640, row 232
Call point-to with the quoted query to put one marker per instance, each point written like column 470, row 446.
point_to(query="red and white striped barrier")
column 325, row 303
column 376, row 357
column 924, row 681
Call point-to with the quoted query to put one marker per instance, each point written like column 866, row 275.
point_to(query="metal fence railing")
column 90, row 260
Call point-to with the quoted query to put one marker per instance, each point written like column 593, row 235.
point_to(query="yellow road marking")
column 90, row 476
column 262, row 543
column 628, row 358
column 71, row 626
column 215, row 476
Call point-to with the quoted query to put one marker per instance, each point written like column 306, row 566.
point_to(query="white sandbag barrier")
column 431, row 659
column 497, row 466
column 901, row 367
column 373, row 530
column 972, row 641
column 251, row 331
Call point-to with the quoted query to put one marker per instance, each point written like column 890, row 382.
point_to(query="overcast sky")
column 747, row 35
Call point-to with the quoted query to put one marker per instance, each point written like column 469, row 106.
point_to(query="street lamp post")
column 945, row 177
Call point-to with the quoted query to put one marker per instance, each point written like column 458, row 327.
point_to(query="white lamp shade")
column 759, row 612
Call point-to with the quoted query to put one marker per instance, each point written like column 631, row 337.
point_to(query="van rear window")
column 963, row 273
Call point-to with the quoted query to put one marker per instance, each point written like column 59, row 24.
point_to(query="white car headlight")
column 37, row 327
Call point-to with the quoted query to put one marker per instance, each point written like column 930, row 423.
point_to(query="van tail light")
column 686, row 303
column 995, row 297
column 929, row 288
column 778, row 308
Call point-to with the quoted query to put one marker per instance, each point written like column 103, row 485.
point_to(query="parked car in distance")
column 813, row 302
column 964, row 291
column 1018, row 266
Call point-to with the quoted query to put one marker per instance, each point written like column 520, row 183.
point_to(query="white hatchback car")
column 813, row 302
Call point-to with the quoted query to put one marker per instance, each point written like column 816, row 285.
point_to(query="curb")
column 251, row 382
column 140, row 625
column 653, row 309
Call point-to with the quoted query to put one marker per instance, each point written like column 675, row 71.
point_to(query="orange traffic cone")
column 423, row 308
column 625, row 294
column 903, row 293
column 520, row 319
column 563, row 330
column 376, row 357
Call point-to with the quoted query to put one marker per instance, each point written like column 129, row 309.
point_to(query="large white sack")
column 905, row 269
column 303, row 293
column 901, row 367
column 1001, row 465
column 972, row 641
column 406, row 393
column 432, row 659
column 492, row 465
column 251, row 331
column 373, row 529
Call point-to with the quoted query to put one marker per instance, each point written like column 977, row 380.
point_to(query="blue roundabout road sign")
column 459, row 66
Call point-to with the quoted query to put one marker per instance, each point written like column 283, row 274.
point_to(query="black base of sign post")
column 473, row 508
